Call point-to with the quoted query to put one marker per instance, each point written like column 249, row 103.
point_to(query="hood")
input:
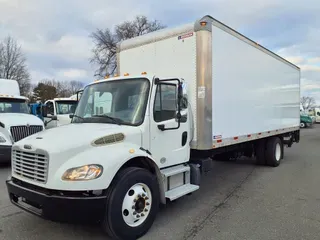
column 18, row 119
column 78, row 136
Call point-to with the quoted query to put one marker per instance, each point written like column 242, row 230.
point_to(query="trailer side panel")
column 252, row 92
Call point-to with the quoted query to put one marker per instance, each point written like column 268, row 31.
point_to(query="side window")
column 50, row 108
column 165, row 106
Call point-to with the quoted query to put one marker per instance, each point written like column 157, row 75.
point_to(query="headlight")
column 83, row 173
column 2, row 139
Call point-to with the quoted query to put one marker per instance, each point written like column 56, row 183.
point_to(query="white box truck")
column 166, row 116
column 16, row 122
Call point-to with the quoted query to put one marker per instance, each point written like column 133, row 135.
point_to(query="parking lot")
column 237, row 200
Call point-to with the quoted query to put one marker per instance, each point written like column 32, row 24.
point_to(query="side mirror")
column 44, row 111
column 54, row 117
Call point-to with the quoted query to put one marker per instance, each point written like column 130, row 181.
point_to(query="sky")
column 54, row 34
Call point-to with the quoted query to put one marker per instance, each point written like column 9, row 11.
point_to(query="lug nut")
column 146, row 210
column 142, row 215
column 143, row 195
column 146, row 198
column 147, row 203
column 138, row 216
column 133, row 207
column 134, row 213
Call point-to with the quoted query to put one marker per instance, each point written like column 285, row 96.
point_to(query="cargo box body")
column 238, row 90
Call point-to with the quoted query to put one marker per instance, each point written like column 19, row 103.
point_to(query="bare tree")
column 307, row 102
column 13, row 64
column 75, row 86
column 104, row 52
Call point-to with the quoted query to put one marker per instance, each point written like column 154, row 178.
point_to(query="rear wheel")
column 274, row 151
column 132, row 205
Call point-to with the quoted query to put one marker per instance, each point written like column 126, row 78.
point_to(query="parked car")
column 306, row 121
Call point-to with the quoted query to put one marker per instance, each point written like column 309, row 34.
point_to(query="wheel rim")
column 136, row 205
column 278, row 152
column 302, row 125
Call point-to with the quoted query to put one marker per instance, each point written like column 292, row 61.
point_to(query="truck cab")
column 56, row 111
column 16, row 122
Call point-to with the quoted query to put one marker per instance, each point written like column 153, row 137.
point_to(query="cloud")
column 54, row 34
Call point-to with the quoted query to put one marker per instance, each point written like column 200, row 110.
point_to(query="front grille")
column 20, row 132
column 33, row 166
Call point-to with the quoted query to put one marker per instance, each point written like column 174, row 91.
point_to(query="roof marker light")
column 203, row 23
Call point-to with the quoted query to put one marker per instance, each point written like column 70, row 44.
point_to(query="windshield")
column 66, row 107
column 116, row 102
column 13, row 105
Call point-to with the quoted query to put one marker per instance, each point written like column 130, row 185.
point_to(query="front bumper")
column 5, row 154
column 71, row 206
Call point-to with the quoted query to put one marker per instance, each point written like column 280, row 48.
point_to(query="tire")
column 132, row 187
column 274, row 151
column 303, row 125
column 260, row 152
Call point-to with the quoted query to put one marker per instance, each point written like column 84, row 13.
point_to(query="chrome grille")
column 33, row 166
column 20, row 132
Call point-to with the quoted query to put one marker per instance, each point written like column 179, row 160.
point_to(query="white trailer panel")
column 238, row 90
column 170, row 57
column 252, row 91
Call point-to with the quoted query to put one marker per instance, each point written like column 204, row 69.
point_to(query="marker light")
column 143, row 73
column 203, row 23
column 126, row 74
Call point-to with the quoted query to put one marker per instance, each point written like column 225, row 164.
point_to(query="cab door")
column 50, row 113
column 169, row 142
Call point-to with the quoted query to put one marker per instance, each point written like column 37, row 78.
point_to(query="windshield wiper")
column 115, row 120
column 74, row 115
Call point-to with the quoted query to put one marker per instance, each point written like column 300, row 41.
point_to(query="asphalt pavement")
column 237, row 200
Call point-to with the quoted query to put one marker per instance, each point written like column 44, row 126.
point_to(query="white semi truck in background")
column 56, row 111
column 167, row 117
column 15, row 121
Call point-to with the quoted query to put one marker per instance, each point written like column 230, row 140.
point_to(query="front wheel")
column 302, row 125
column 132, row 204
